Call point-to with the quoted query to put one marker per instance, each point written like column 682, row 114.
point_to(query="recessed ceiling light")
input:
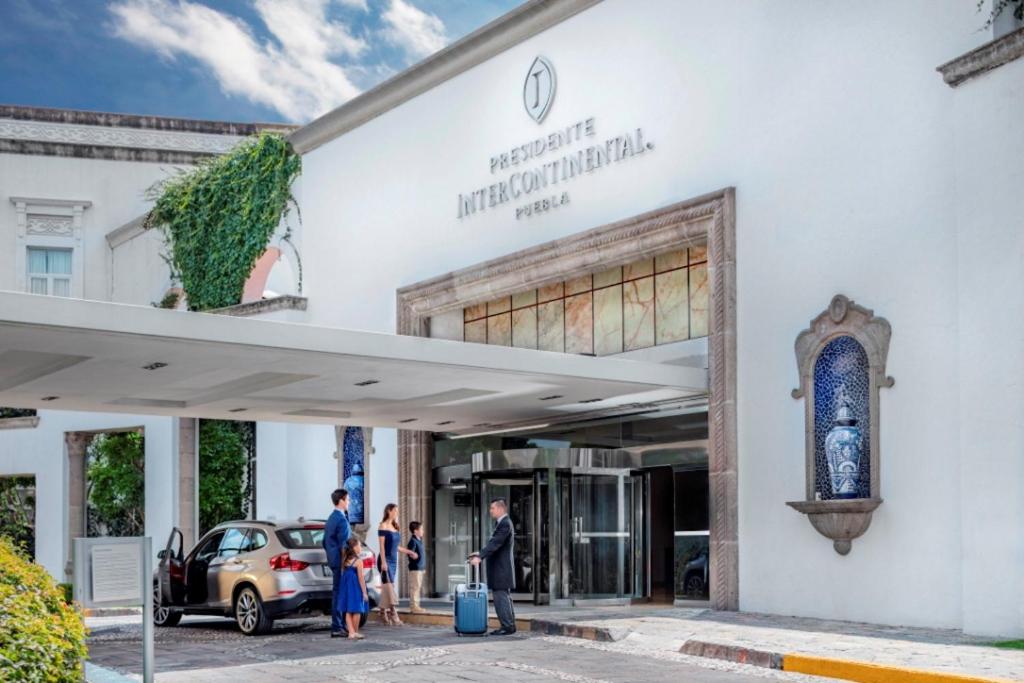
column 483, row 424
column 591, row 400
column 367, row 382
column 238, row 410
column 49, row 398
column 154, row 366
column 446, row 422
column 551, row 398
column 408, row 419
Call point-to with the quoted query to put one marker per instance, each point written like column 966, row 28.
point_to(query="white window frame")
column 26, row 207
column 49, row 277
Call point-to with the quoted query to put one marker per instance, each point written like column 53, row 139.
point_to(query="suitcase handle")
column 472, row 573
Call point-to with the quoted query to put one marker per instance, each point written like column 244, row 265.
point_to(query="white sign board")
column 112, row 572
column 118, row 572
column 116, row 569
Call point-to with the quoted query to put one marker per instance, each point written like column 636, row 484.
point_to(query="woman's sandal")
column 394, row 617
column 385, row 618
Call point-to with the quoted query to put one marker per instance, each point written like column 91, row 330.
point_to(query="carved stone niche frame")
column 842, row 520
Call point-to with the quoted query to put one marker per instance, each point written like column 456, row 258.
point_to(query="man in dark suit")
column 336, row 535
column 501, row 575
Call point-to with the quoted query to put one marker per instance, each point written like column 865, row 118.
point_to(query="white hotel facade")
column 671, row 248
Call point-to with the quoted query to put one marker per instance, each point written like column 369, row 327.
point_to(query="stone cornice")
column 154, row 123
column 119, row 137
column 38, row 201
column 985, row 58
column 287, row 302
column 507, row 31
column 613, row 244
column 58, row 149
column 104, row 136
column 127, row 232
column 27, row 422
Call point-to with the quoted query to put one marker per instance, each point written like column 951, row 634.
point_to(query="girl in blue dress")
column 390, row 537
column 354, row 600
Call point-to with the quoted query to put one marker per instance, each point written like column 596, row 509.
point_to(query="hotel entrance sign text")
column 551, row 160
column 550, row 163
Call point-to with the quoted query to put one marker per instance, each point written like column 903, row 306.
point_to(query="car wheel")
column 163, row 615
column 249, row 613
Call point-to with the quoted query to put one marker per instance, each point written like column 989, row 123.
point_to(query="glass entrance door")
column 527, row 507
column 606, row 537
column 452, row 535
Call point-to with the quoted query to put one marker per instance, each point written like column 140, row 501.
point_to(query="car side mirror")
column 162, row 554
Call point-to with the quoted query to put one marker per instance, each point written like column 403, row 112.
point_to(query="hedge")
column 42, row 638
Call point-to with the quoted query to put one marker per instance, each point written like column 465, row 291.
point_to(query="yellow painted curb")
column 863, row 672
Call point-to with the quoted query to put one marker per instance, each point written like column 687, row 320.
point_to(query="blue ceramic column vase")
column 355, row 485
column 843, row 448
column 354, row 452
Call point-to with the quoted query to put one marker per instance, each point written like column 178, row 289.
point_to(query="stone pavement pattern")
column 213, row 650
column 670, row 629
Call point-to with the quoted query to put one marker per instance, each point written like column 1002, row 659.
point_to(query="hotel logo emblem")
column 539, row 89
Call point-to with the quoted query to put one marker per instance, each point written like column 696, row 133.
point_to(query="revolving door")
column 580, row 520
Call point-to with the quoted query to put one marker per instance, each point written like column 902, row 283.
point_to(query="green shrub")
column 42, row 638
column 222, row 463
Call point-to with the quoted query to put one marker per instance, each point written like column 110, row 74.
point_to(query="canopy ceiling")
column 69, row 354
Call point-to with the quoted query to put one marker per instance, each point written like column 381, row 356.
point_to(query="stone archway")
column 709, row 218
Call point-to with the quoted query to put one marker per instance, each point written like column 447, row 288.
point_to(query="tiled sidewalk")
column 733, row 635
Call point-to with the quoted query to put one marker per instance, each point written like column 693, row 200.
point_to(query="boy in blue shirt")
column 417, row 566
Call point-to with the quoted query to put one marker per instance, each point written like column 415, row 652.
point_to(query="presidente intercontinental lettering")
column 541, row 181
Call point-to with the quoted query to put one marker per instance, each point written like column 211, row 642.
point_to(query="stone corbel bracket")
column 842, row 520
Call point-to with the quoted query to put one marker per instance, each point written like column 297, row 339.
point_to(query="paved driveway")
column 202, row 649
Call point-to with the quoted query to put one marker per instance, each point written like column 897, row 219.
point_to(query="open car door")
column 171, row 570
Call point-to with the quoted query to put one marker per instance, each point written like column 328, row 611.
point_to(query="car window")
column 257, row 539
column 303, row 537
column 208, row 548
column 235, row 541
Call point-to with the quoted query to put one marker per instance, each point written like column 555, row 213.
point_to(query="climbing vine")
column 218, row 217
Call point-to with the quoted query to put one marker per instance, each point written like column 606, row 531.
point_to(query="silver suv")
column 251, row 571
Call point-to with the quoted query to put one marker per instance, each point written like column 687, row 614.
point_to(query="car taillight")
column 284, row 563
column 368, row 562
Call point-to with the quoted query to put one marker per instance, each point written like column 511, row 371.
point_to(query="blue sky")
column 240, row 60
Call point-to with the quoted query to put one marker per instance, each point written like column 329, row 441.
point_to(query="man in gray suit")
column 501, row 575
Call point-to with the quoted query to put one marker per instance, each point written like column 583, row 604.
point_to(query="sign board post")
column 118, row 572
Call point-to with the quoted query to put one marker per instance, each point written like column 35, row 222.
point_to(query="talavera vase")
column 843, row 447
column 355, row 484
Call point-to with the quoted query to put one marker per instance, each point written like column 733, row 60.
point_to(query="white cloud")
column 417, row 32
column 293, row 74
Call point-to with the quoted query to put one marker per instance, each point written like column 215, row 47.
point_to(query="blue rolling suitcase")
column 471, row 605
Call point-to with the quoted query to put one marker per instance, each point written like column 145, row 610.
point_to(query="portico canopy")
column 69, row 354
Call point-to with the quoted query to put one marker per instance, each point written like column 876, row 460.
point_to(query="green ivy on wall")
column 218, row 218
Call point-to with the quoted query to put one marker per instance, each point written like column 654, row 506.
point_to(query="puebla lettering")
column 547, row 176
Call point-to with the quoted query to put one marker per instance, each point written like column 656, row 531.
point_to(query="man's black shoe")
column 503, row 632
column 339, row 634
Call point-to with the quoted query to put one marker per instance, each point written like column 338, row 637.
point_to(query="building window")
column 49, row 271
column 649, row 302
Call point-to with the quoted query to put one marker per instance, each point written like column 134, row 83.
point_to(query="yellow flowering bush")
column 42, row 638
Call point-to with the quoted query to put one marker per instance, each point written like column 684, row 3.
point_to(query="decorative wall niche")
column 841, row 359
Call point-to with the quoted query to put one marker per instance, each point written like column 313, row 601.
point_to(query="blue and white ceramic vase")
column 843, row 450
column 354, row 484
